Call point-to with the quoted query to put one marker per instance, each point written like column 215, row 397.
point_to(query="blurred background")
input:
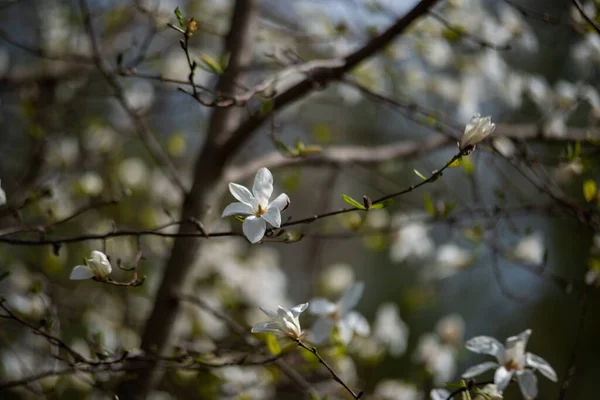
column 502, row 243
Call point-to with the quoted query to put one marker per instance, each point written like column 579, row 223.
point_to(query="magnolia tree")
column 419, row 177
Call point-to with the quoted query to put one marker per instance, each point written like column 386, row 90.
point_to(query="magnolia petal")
column 281, row 202
column 322, row 328
column 254, row 228
column 270, row 313
column 81, row 272
column 528, row 384
column 268, row 326
column 320, row 306
column 485, row 345
column 541, row 365
column 263, row 186
column 358, row 323
column 100, row 264
column 284, row 313
column 479, row 369
column 439, row 394
column 345, row 331
column 242, row 194
column 299, row 309
column 351, row 297
column 273, row 217
column 237, row 209
column 502, row 377
column 515, row 346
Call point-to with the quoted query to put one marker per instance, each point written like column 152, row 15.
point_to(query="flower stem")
column 334, row 375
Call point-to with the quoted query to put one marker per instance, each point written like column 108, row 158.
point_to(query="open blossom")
column 477, row 130
column 97, row 266
column 284, row 320
column 341, row 315
column 256, row 205
column 512, row 360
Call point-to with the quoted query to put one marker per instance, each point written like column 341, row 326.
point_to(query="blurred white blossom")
column 450, row 259
column 390, row 330
column 504, row 146
column 256, row 205
column 438, row 351
column 512, row 360
column 530, row 249
column 91, row 183
column 340, row 315
column 410, row 240
column 63, row 152
column 337, row 277
column 391, row 389
column 133, row 173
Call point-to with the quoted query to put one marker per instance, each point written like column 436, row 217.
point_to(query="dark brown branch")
column 589, row 19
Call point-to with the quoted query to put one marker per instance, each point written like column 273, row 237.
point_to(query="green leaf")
column 210, row 64
column 309, row 150
column 239, row 218
column 273, row 345
column 420, row 175
column 589, row 190
column 382, row 204
column 266, row 107
column 429, row 204
column 283, row 148
column 455, row 163
column 179, row 18
column 353, row 202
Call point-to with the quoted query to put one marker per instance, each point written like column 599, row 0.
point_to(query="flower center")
column 260, row 211
column 512, row 365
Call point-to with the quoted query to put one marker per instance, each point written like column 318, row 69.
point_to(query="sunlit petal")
column 81, row 272
column 479, row 369
column 237, row 209
column 351, row 297
column 254, row 228
column 263, row 186
column 528, row 384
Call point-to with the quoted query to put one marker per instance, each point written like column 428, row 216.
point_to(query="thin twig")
column 334, row 375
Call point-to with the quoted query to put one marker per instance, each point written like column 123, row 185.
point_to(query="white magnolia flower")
column 390, row 329
column 2, row 197
column 340, row 314
column 284, row 320
column 512, row 360
column 477, row 130
column 97, row 266
column 256, row 205
column 530, row 249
